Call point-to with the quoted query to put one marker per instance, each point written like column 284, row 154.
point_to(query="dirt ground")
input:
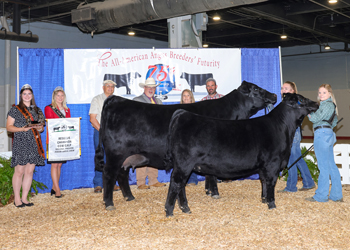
column 236, row 221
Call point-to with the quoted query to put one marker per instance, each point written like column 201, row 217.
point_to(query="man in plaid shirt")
column 211, row 89
column 212, row 94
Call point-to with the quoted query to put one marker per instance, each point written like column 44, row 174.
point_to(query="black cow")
column 134, row 133
column 232, row 149
column 196, row 79
column 122, row 80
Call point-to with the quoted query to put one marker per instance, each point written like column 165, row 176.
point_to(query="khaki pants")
column 142, row 173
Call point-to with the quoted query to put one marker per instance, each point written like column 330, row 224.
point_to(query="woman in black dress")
column 26, row 121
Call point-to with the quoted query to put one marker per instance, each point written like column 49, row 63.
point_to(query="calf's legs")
column 123, row 181
column 270, row 190
column 108, row 186
column 177, row 190
column 211, row 186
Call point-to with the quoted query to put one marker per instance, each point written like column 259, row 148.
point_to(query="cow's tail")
column 99, row 156
column 168, row 158
column 100, row 151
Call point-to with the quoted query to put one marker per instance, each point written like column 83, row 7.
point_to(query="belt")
column 324, row 126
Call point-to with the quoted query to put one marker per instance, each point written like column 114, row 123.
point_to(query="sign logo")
column 164, row 75
column 63, row 128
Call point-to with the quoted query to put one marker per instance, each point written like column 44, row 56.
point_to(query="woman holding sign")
column 57, row 109
column 25, row 121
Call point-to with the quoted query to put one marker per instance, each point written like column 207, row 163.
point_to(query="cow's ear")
column 244, row 88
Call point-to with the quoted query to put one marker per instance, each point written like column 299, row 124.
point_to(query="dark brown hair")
column 32, row 102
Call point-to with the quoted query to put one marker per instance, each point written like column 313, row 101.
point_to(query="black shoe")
column 22, row 205
column 59, row 196
column 52, row 192
column 28, row 204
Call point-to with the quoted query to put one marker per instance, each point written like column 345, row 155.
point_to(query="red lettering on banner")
column 115, row 62
column 204, row 63
column 158, row 56
column 182, row 57
column 105, row 56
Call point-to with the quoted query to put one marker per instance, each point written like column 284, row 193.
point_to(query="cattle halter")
column 285, row 170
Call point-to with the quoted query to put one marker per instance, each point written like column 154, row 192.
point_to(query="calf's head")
column 298, row 102
column 260, row 97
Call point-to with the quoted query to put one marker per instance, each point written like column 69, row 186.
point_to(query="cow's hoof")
column 110, row 208
column 129, row 198
column 169, row 215
column 185, row 210
column 216, row 196
column 272, row 205
column 264, row 200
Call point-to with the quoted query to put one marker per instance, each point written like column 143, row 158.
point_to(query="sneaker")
column 116, row 188
column 305, row 189
column 310, row 199
column 98, row 189
column 143, row 186
column 340, row 200
column 282, row 191
column 158, row 184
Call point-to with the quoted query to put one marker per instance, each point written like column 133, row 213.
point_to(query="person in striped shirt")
column 211, row 87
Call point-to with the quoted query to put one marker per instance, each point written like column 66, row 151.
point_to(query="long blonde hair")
column 190, row 93
column 329, row 89
column 53, row 102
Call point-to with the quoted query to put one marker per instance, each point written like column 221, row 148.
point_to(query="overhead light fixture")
column 332, row 1
column 327, row 47
column 284, row 35
column 205, row 45
column 131, row 33
column 216, row 17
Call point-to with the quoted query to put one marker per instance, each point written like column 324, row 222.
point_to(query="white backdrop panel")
column 85, row 70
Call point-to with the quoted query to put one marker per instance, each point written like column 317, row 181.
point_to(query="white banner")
column 63, row 139
column 174, row 69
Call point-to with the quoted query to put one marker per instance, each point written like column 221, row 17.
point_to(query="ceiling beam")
column 50, row 4
column 16, row 2
column 328, row 8
column 45, row 17
column 309, row 7
column 267, row 31
column 296, row 23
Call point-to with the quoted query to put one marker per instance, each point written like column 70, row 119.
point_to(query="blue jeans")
column 324, row 139
column 301, row 165
column 193, row 178
column 98, row 175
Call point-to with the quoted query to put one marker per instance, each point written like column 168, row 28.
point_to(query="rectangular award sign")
column 63, row 139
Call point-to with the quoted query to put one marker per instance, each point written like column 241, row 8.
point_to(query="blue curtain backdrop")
column 43, row 69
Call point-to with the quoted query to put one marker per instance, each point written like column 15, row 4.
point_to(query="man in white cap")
column 95, row 119
column 141, row 173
